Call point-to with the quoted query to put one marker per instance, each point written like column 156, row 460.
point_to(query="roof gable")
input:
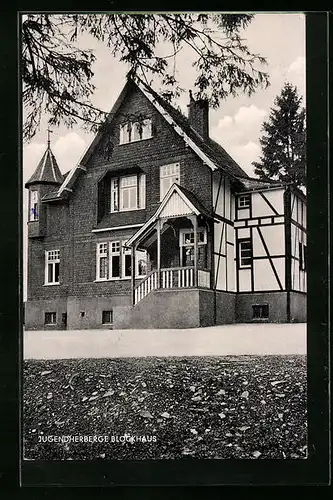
column 210, row 152
column 177, row 202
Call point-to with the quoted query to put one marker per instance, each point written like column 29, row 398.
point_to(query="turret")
column 45, row 178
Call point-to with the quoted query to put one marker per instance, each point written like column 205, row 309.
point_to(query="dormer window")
column 33, row 206
column 128, row 192
column 135, row 131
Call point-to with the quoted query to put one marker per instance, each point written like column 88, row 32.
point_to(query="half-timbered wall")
column 224, row 263
column 261, row 224
column 298, row 242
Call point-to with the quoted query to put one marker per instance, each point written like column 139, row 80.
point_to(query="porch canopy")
column 178, row 204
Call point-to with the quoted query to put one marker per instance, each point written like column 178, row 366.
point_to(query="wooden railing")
column 173, row 277
column 177, row 277
column 145, row 286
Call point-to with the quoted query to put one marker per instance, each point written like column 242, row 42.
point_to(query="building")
column 158, row 227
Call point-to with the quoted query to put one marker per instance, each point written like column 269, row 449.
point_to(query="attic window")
column 244, row 201
column 135, row 131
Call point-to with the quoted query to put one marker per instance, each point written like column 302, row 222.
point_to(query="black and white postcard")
column 165, row 250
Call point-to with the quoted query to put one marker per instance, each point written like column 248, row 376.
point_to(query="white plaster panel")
column 264, row 278
column 244, row 280
column 243, row 232
column 261, row 208
column 243, row 213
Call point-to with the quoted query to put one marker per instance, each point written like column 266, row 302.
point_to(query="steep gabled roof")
column 187, row 196
column 211, row 149
column 208, row 150
column 47, row 171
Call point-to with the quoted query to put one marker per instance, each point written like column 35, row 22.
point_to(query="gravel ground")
column 236, row 407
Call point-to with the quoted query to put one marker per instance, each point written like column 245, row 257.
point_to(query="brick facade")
column 72, row 225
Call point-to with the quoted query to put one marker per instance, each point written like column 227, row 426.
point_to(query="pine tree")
column 284, row 140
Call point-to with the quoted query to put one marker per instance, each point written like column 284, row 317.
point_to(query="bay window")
column 128, row 193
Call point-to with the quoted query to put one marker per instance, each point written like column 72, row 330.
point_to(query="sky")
column 236, row 124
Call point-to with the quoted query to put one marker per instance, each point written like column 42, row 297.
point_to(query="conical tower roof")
column 47, row 171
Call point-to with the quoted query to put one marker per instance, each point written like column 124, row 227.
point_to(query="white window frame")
column 171, row 174
column 135, row 131
column 114, row 251
column 102, row 252
column 117, row 193
column 127, row 251
column 33, row 202
column 52, row 257
column 243, row 197
column 184, row 243
column 137, row 259
column 116, row 248
column 240, row 250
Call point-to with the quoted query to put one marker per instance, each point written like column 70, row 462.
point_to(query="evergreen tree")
column 284, row 140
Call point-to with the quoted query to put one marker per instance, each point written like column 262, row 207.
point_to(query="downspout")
column 287, row 238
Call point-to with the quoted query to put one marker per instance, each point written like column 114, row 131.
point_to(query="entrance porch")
column 178, row 241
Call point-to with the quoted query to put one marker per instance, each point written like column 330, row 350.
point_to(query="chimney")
column 198, row 115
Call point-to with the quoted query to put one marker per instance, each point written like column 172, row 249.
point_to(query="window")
column 244, row 201
column 52, row 267
column 187, row 237
column 102, row 261
column 140, row 263
column 186, row 243
column 128, row 193
column 245, row 253
column 33, row 206
column 107, row 317
column 127, row 262
column 50, row 318
column 302, row 256
column 135, row 131
column 260, row 311
column 168, row 175
column 114, row 261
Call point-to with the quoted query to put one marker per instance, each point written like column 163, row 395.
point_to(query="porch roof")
column 177, row 202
